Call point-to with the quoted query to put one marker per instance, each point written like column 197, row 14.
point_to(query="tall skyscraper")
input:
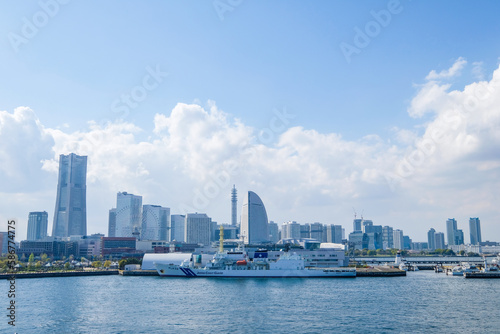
column 112, row 223
column 439, row 240
column 459, row 237
column 234, row 208
column 316, row 231
column 366, row 224
column 305, row 231
column 254, row 219
column 431, row 240
column 398, row 239
column 177, row 223
column 387, row 237
column 128, row 215
column 356, row 225
column 291, row 230
column 334, row 234
column 374, row 234
column 155, row 222
column 475, row 231
column 273, row 229
column 198, row 228
column 70, row 214
column 37, row 225
column 451, row 228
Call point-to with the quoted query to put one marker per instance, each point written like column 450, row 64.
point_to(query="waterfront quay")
column 423, row 262
column 58, row 274
column 381, row 271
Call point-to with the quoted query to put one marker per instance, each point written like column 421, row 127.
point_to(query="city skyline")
column 404, row 128
column 159, row 224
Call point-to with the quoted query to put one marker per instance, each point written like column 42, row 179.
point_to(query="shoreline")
column 58, row 274
column 360, row 272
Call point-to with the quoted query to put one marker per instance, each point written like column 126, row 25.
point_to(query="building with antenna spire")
column 234, row 207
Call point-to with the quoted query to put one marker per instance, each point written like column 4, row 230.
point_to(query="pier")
column 380, row 271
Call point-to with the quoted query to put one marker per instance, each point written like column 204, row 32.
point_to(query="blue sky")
column 260, row 57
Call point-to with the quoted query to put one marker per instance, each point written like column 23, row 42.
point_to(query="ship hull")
column 168, row 270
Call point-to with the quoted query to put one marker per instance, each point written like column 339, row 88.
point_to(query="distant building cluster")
column 135, row 228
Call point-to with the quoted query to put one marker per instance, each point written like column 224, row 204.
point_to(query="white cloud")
column 454, row 70
column 477, row 70
column 24, row 143
column 195, row 154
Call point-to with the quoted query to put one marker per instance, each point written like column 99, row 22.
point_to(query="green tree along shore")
column 43, row 263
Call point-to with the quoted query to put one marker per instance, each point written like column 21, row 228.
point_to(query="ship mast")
column 221, row 239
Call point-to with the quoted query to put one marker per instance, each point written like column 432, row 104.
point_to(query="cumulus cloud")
column 459, row 148
column 454, row 70
column 477, row 70
column 24, row 143
column 196, row 153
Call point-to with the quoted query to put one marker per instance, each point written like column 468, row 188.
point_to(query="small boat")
column 438, row 268
column 456, row 271
column 488, row 271
column 408, row 267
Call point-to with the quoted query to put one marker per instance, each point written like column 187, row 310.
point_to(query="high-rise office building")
column 387, row 237
column 234, row 208
column 374, row 234
column 273, row 229
column 214, row 231
column 37, row 225
column 305, row 231
column 358, row 240
column 365, row 224
column 439, row 240
column 475, row 231
column 291, row 230
column 254, row 219
column 431, row 240
column 198, row 228
column 407, row 242
column 177, row 223
column 230, row 232
column 398, row 239
column 4, row 243
column 459, row 237
column 155, row 222
column 316, row 231
column 70, row 214
column 334, row 234
column 451, row 228
column 356, row 225
column 112, row 223
column 128, row 215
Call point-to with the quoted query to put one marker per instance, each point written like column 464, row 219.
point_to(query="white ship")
column 236, row 263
